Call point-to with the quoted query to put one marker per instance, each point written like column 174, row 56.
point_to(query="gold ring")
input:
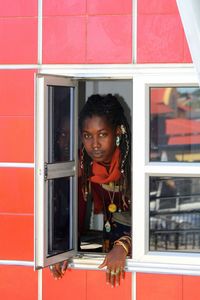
column 118, row 270
column 113, row 272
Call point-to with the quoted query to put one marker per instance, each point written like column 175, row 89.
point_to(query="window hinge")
column 45, row 171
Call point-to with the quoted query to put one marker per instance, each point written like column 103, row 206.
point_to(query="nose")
column 96, row 145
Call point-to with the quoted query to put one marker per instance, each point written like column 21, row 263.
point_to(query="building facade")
column 142, row 42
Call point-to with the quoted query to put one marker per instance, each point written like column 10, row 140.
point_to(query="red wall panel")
column 64, row 39
column 98, row 289
column 18, row 8
column 160, row 39
column 109, row 7
column 64, row 7
column 18, row 283
column 17, row 139
column 157, row 7
column 160, row 35
column 16, row 233
column 158, row 287
column 16, row 190
column 18, row 40
column 71, row 286
column 17, row 92
column 109, row 39
column 191, row 287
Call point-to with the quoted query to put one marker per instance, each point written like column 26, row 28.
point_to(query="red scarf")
column 101, row 175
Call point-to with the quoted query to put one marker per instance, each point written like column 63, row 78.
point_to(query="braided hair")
column 107, row 106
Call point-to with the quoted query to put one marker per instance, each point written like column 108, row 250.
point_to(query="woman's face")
column 99, row 139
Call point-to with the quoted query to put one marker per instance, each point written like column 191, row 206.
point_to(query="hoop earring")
column 117, row 140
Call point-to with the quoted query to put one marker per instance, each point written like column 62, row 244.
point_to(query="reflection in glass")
column 60, row 99
column 174, row 214
column 59, row 222
column 175, row 124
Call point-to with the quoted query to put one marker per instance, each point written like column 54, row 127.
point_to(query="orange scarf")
column 101, row 175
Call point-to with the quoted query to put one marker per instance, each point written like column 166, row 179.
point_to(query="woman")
column 105, row 178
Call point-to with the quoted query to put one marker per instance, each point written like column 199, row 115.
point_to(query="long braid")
column 109, row 107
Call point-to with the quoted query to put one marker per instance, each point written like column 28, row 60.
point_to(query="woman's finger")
column 108, row 276
column 117, row 276
column 64, row 266
column 104, row 264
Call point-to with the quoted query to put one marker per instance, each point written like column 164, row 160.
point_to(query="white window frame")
column 45, row 172
column 143, row 77
column 155, row 261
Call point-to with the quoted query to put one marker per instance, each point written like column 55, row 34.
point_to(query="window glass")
column 60, row 109
column 174, row 214
column 175, row 124
column 59, row 215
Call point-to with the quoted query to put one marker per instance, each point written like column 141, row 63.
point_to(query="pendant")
column 112, row 208
column 107, row 226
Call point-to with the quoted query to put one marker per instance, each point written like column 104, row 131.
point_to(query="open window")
column 59, row 99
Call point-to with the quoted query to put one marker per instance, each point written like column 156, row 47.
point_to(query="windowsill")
column 88, row 261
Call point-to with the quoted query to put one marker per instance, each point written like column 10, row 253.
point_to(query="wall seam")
column 39, row 32
column 134, row 31
column 17, row 263
column 17, row 165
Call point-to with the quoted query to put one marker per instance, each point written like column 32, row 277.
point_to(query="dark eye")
column 87, row 136
column 102, row 134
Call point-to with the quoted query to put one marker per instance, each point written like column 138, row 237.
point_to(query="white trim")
column 16, row 165
column 40, row 281
column 144, row 260
column 17, row 263
column 134, row 30
column 40, row 18
column 134, row 286
column 18, row 67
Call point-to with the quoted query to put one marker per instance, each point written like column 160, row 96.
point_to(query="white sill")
column 88, row 261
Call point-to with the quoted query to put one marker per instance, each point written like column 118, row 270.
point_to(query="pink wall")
column 74, row 31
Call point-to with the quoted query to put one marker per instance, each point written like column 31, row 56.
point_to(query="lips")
column 97, row 154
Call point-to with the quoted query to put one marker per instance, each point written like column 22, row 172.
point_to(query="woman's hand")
column 115, row 262
column 58, row 270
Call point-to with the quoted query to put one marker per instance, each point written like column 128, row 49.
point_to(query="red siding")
column 17, row 136
column 109, row 7
column 16, row 190
column 18, row 283
column 191, row 287
column 102, row 34
column 64, row 39
column 18, row 8
column 71, row 286
column 17, row 92
column 159, row 287
column 16, row 231
column 98, row 290
column 64, row 7
column 84, row 285
column 160, row 33
column 109, row 39
column 18, row 40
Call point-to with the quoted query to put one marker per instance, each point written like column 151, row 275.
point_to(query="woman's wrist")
column 125, row 242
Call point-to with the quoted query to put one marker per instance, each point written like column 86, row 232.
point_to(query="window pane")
column 175, row 124
column 59, row 215
column 60, row 140
column 174, row 214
